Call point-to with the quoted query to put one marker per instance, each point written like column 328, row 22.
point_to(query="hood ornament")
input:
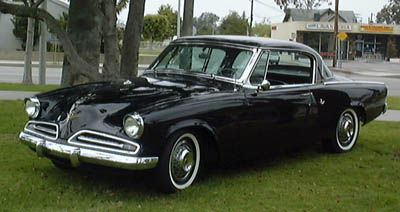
column 127, row 82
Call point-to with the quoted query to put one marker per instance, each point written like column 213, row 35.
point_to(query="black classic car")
column 204, row 99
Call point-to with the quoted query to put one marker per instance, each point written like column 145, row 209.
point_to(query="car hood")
column 103, row 105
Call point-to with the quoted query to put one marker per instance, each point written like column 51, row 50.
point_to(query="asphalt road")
column 15, row 74
column 393, row 84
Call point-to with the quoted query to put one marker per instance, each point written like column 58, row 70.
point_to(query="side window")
column 199, row 57
column 290, row 67
column 258, row 74
column 215, row 61
column 241, row 61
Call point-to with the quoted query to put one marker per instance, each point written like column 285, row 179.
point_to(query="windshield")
column 219, row 61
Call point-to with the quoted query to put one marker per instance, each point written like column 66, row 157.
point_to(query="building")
column 315, row 28
column 7, row 39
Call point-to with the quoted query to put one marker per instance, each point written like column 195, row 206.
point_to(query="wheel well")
column 360, row 112
column 208, row 143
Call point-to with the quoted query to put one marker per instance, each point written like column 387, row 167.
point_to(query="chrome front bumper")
column 78, row 154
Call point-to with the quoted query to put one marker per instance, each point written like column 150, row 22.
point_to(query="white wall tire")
column 180, row 162
column 345, row 132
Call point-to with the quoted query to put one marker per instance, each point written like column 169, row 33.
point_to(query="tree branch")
column 26, row 3
column 69, row 49
column 39, row 2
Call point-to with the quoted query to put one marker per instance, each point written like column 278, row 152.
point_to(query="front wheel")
column 345, row 134
column 179, row 162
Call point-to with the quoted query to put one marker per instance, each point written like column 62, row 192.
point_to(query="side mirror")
column 265, row 85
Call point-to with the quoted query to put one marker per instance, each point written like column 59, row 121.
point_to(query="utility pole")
column 251, row 18
column 188, row 18
column 43, row 48
column 335, row 33
column 178, row 24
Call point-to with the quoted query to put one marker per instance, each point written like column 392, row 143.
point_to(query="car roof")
column 246, row 40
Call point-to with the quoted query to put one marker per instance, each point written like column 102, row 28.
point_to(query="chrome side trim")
column 74, row 140
column 249, row 86
column 76, row 155
column 353, row 82
column 40, row 128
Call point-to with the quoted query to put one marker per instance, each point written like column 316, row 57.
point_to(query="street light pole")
column 43, row 48
column 178, row 24
column 251, row 18
column 335, row 33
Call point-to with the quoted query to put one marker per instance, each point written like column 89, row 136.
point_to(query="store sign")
column 328, row 26
column 376, row 28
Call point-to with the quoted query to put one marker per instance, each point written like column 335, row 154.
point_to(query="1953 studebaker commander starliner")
column 204, row 99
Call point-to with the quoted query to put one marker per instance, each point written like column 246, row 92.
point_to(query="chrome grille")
column 43, row 129
column 102, row 141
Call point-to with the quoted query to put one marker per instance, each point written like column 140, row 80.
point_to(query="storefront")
column 375, row 41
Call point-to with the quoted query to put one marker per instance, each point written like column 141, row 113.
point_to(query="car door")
column 283, row 114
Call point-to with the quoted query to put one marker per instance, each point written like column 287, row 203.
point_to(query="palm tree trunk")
column 27, row 79
column 133, row 32
column 111, row 50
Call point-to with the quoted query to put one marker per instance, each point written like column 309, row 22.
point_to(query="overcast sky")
column 262, row 8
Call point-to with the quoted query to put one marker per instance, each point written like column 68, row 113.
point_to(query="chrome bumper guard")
column 78, row 154
column 385, row 108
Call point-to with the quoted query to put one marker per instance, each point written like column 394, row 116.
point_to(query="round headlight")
column 32, row 107
column 133, row 125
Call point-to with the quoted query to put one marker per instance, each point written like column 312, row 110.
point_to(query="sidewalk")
column 371, row 69
column 20, row 63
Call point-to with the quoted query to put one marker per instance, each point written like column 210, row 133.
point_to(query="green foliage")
column 390, row 13
column 172, row 16
column 262, row 29
column 20, row 30
column 233, row 24
column 366, row 179
column 155, row 27
column 307, row 4
column 63, row 20
column 206, row 23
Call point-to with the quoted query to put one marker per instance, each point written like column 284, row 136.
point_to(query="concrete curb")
column 386, row 74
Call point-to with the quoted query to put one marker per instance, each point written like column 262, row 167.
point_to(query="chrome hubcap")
column 182, row 161
column 345, row 129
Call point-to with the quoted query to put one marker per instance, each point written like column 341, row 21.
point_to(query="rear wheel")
column 180, row 162
column 344, row 135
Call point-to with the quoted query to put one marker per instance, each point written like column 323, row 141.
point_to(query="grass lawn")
column 366, row 179
column 148, row 51
column 22, row 87
column 394, row 102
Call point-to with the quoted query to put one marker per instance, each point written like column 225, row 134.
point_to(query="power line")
column 269, row 6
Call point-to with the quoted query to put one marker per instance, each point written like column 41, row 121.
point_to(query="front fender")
column 191, row 123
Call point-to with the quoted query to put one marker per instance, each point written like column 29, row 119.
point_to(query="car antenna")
column 234, row 86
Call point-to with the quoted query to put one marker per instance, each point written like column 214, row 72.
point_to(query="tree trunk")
column 151, row 43
column 188, row 18
column 27, row 79
column 133, row 32
column 84, row 30
column 111, row 50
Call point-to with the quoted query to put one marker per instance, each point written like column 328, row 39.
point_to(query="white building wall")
column 7, row 39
